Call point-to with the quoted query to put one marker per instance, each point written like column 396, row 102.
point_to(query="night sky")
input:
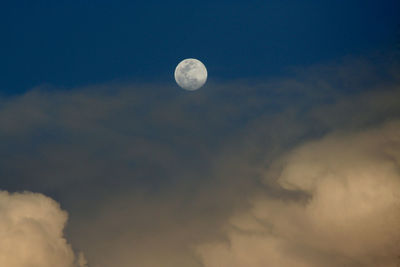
column 289, row 156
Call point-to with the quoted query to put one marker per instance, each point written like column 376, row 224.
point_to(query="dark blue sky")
column 72, row 43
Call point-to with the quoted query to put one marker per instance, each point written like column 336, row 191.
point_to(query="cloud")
column 31, row 230
column 348, row 216
column 150, row 172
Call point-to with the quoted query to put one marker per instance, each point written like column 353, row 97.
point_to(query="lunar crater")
column 191, row 74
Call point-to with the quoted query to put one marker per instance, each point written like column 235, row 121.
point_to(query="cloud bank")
column 348, row 216
column 31, row 230
column 239, row 172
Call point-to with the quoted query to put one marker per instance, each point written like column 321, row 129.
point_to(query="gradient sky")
column 289, row 156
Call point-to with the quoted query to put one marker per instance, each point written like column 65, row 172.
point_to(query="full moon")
column 190, row 74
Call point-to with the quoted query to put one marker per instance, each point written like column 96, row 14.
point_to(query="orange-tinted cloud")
column 31, row 230
column 349, row 214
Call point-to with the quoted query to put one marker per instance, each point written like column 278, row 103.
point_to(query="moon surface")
column 191, row 74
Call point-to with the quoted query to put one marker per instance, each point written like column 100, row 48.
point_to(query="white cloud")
column 350, row 218
column 31, row 231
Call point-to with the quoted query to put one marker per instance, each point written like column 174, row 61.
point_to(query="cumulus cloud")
column 348, row 215
column 31, row 230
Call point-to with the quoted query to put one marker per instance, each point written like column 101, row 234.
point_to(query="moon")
column 190, row 74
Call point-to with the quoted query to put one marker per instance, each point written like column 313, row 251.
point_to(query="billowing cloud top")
column 31, row 230
column 349, row 214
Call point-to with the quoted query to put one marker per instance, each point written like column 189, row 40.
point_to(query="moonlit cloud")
column 31, row 230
